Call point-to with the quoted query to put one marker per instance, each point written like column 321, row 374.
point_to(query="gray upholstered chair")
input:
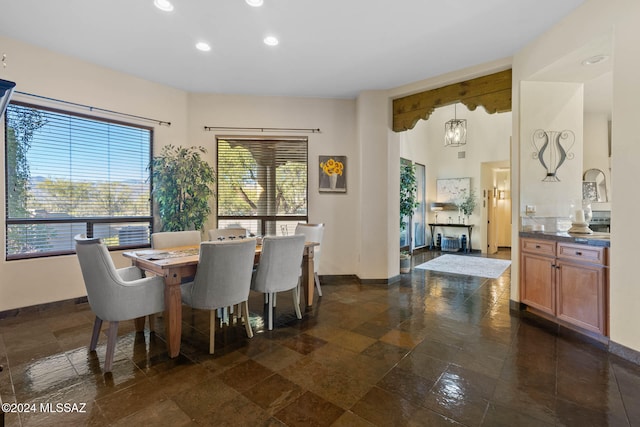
column 115, row 294
column 222, row 280
column 174, row 239
column 279, row 270
column 313, row 233
column 225, row 233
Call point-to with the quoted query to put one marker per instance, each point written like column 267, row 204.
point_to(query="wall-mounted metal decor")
column 552, row 148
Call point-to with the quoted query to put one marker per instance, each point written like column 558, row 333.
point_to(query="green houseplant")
column 408, row 203
column 182, row 187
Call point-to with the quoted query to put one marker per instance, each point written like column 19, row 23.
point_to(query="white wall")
column 590, row 21
column 550, row 106
column 488, row 138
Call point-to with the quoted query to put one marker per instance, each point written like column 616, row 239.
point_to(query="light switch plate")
column 530, row 209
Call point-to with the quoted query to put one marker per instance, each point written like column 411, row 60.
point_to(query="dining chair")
column 279, row 270
column 114, row 294
column 174, row 239
column 225, row 233
column 313, row 233
column 222, row 280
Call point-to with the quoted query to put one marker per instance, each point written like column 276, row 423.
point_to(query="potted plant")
column 408, row 203
column 468, row 204
column 182, row 187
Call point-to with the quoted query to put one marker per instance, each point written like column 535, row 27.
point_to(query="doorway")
column 496, row 184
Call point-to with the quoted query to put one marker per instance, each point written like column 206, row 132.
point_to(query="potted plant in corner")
column 408, row 203
column 182, row 187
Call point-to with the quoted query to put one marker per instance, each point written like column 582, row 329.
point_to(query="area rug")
column 467, row 265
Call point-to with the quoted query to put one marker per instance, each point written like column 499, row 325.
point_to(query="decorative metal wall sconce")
column 552, row 148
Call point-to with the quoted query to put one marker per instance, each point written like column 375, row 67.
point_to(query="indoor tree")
column 182, row 187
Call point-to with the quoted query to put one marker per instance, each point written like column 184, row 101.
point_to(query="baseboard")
column 327, row 279
column 626, row 353
column 41, row 307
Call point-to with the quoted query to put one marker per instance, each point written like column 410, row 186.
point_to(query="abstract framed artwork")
column 332, row 174
column 452, row 190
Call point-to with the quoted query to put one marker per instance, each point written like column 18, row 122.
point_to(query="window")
column 262, row 184
column 69, row 174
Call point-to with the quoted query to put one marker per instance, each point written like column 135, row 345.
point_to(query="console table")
column 469, row 228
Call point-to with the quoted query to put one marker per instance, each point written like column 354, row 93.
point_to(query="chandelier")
column 455, row 131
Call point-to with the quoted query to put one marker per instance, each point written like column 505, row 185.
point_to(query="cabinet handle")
column 578, row 253
column 537, row 246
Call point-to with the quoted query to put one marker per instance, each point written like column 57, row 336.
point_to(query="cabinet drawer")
column 590, row 254
column 538, row 247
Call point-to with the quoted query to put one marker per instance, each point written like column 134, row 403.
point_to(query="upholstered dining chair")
column 225, row 233
column 174, row 239
column 313, row 233
column 222, row 280
column 279, row 270
column 115, row 294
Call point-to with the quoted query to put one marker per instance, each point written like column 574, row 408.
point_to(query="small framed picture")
column 332, row 174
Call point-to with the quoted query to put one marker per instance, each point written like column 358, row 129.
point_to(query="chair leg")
column 245, row 314
column 139, row 322
column 317, row 279
column 97, row 325
column 212, row 330
column 112, row 336
column 273, row 298
column 296, row 301
column 271, row 310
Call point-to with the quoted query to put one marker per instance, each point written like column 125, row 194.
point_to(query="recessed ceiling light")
column 271, row 41
column 255, row 3
column 595, row 59
column 203, row 46
column 164, row 5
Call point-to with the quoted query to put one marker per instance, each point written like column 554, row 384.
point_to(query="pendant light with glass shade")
column 455, row 131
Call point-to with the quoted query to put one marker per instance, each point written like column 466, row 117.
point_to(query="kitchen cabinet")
column 566, row 281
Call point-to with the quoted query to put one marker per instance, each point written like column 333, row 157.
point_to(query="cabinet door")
column 581, row 295
column 537, row 282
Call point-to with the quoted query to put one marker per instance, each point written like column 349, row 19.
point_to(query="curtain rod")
column 90, row 108
column 212, row 128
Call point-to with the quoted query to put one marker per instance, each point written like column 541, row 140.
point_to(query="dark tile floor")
column 433, row 349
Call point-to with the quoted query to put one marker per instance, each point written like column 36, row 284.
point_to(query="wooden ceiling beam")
column 493, row 92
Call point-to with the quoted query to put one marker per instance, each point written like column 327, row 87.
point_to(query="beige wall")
column 28, row 282
column 334, row 117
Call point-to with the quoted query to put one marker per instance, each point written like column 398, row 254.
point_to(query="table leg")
column 469, row 232
column 173, row 311
column 308, row 279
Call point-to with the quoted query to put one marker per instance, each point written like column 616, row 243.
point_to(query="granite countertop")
column 595, row 239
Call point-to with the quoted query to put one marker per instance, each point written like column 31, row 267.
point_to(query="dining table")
column 174, row 264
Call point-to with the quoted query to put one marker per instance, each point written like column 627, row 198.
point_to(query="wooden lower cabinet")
column 566, row 281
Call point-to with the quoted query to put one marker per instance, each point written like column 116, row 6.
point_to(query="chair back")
column 174, row 239
column 313, row 233
column 225, row 233
column 280, row 263
column 100, row 278
column 224, row 273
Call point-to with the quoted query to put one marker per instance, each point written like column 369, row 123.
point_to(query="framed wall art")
column 332, row 174
column 452, row 190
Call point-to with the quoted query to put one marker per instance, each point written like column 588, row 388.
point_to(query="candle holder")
column 580, row 216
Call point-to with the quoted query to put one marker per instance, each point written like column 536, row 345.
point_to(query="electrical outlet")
column 530, row 209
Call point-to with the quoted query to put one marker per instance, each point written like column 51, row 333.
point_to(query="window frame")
column 90, row 221
column 264, row 220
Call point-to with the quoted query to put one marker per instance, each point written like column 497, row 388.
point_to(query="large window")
column 262, row 184
column 69, row 174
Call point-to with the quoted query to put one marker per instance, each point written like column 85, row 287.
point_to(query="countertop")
column 595, row 239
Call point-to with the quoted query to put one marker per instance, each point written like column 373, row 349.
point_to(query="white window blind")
column 69, row 174
column 262, row 183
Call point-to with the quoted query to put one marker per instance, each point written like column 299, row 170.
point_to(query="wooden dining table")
column 176, row 263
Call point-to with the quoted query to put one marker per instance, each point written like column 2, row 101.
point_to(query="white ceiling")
column 328, row 48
